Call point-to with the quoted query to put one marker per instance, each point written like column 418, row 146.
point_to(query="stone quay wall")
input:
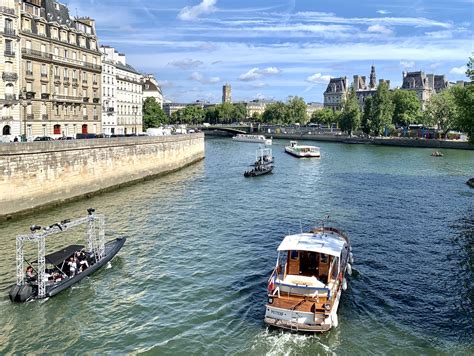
column 40, row 174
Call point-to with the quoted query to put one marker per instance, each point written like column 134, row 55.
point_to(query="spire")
column 373, row 79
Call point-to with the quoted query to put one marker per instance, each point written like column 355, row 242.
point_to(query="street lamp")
column 24, row 101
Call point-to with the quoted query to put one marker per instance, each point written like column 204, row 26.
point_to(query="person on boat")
column 81, row 257
column 72, row 267
column 30, row 275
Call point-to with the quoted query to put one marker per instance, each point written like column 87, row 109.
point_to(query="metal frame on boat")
column 98, row 253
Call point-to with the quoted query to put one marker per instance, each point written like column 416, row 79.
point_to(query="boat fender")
column 349, row 269
column 344, row 284
column 24, row 293
column 334, row 320
column 14, row 292
column 351, row 258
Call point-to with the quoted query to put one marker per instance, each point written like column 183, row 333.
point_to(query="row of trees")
column 452, row 109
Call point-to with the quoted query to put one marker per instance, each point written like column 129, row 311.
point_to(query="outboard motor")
column 21, row 293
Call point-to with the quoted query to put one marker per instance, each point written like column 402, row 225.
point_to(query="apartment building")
column 10, row 61
column 61, row 71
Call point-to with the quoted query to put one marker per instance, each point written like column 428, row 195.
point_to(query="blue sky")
column 273, row 49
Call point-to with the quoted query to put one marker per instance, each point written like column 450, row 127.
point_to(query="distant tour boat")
column 302, row 151
column 305, row 287
column 263, row 163
column 253, row 138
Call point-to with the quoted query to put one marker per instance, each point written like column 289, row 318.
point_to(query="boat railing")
column 331, row 229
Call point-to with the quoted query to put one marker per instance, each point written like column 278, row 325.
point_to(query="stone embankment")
column 40, row 174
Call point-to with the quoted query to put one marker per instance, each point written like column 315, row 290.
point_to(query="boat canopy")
column 56, row 258
column 328, row 243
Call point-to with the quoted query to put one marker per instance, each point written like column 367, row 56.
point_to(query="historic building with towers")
column 363, row 91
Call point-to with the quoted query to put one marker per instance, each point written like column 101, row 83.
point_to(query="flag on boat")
column 271, row 283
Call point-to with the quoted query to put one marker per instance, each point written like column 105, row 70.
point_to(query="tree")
column 382, row 109
column 240, row 112
column 225, row 112
column 441, row 110
column 153, row 115
column 256, row 117
column 350, row 117
column 470, row 69
column 406, row 107
column 323, row 116
column 367, row 116
column 275, row 113
column 211, row 115
column 464, row 99
column 296, row 110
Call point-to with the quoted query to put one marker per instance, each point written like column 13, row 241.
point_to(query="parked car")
column 64, row 138
column 43, row 138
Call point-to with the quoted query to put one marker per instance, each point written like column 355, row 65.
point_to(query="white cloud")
column 383, row 12
column 256, row 73
column 318, row 78
column 186, row 63
column 380, row 29
column 407, row 64
column 458, row 70
column 440, row 34
column 190, row 13
column 198, row 77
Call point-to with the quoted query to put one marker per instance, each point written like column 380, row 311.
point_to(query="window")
column 43, row 89
column 44, row 70
column 29, row 86
column 56, row 71
column 43, row 48
column 84, row 129
column 65, row 53
column 6, row 130
column 66, row 91
column 56, row 51
column 8, row 46
column 29, row 67
column 42, row 30
column 66, row 73
column 57, row 129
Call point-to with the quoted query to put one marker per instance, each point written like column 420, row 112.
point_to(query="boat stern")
column 297, row 320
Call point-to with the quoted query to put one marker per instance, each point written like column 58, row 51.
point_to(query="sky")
column 273, row 49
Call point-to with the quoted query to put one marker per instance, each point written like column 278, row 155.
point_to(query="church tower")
column 373, row 79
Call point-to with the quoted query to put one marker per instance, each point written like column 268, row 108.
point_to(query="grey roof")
column 127, row 67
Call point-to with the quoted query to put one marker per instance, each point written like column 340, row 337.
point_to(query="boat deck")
column 298, row 303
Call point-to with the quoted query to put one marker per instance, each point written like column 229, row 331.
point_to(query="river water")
column 191, row 278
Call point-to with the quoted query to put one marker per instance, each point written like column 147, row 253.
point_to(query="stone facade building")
column 363, row 91
column 336, row 93
column 151, row 89
column 61, row 71
column 424, row 85
column 10, row 62
column 129, row 97
column 226, row 93
column 109, row 92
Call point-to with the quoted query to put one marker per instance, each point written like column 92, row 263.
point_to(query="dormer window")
column 26, row 25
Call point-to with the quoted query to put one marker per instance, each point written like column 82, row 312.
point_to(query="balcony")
column 57, row 79
column 44, row 75
column 66, row 81
column 45, row 96
column 67, row 98
column 9, row 32
column 7, row 118
column 9, row 53
column 74, row 81
column 84, row 81
column 30, row 95
column 44, row 117
column 96, row 100
column 94, row 83
column 7, row 10
column 30, row 117
column 29, row 73
column 85, row 117
column 9, row 77
column 96, row 117
column 28, row 52
column 85, row 99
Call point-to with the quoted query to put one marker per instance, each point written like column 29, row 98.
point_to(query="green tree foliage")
column 382, row 109
column 464, row 99
column 324, row 116
column 275, row 113
column 441, row 110
column 470, row 69
column 406, row 107
column 350, row 117
column 367, row 116
column 153, row 115
column 240, row 112
column 192, row 114
column 296, row 110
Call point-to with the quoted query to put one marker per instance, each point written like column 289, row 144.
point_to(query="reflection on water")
column 201, row 243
